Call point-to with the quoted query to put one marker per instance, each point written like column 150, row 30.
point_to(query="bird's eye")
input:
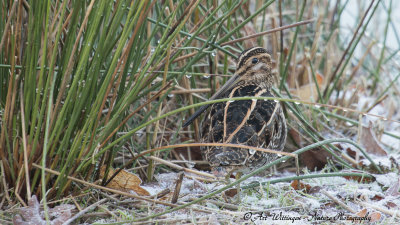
column 254, row 60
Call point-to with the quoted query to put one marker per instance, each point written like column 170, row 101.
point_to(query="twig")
column 350, row 159
column 3, row 176
column 184, row 57
column 338, row 201
column 268, row 32
column 201, row 178
column 96, row 215
column 376, row 103
column 162, row 193
column 20, row 199
column 165, row 162
column 223, row 204
column 178, row 186
column 84, row 211
column 188, row 91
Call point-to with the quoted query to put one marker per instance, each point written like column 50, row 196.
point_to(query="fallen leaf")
column 358, row 178
column 375, row 216
column 377, row 198
column 370, row 142
column 362, row 213
column 314, row 189
column 315, row 158
column 297, row 185
column 391, row 205
column 124, row 181
column 307, row 90
column 32, row 215
column 352, row 152
column 232, row 192
column 393, row 190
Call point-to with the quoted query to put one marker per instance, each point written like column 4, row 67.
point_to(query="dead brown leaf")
column 307, row 89
column 314, row 189
column 393, row 189
column 124, row 181
column 315, row 158
column 362, row 213
column 232, row 192
column 297, row 185
column 391, row 205
column 359, row 178
column 370, row 142
column 306, row 92
column 352, row 152
column 377, row 198
column 375, row 216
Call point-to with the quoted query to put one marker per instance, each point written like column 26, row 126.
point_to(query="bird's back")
column 258, row 123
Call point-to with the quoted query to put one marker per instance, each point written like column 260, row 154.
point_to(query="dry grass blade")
column 5, row 32
column 84, row 211
column 338, row 201
column 269, row 31
column 172, row 165
column 26, row 167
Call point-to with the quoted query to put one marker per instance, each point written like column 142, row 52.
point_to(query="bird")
column 255, row 122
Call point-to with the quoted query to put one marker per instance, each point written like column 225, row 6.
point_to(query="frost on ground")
column 280, row 203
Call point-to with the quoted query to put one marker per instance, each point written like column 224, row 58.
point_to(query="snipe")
column 256, row 123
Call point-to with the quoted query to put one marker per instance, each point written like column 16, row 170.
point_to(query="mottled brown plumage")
column 258, row 123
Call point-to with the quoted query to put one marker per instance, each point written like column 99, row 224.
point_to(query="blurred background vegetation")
column 85, row 84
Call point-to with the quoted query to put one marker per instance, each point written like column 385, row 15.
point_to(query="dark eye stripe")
column 249, row 53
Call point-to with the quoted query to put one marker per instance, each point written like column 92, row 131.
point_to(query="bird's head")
column 254, row 66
